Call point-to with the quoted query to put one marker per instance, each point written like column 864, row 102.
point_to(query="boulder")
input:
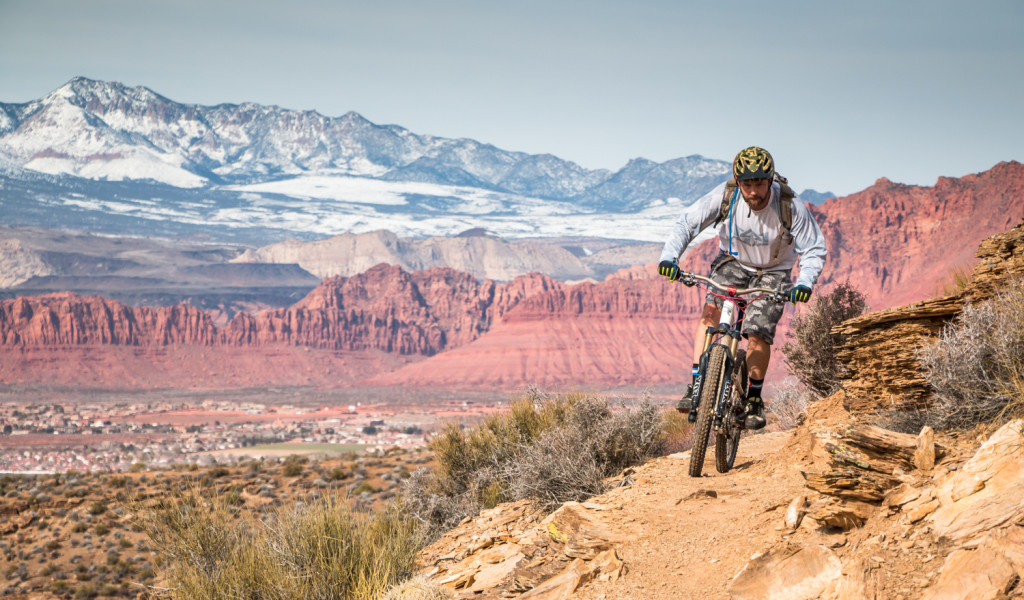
column 788, row 573
column 985, row 494
column 982, row 574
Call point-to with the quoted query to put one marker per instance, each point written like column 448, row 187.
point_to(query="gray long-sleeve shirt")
column 748, row 234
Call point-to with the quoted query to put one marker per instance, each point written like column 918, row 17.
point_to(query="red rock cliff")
column 69, row 319
column 895, row 242
column 385, row 309
column 898, row 243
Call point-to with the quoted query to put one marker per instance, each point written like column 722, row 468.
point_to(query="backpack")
column 786, row 196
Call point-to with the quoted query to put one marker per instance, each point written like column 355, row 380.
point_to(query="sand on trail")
column 686, row 537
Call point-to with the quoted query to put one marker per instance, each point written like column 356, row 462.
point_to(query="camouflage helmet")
column 753, row 163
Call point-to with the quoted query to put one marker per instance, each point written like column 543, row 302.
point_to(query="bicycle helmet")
column 753, row 163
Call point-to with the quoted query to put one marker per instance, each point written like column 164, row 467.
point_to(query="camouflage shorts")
column 762, row 315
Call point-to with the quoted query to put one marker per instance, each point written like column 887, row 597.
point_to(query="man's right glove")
column 667, row 268
column 800, row 293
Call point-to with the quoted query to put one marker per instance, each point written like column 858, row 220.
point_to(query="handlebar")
column 691, row 279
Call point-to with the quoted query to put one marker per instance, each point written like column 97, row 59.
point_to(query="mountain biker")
column 755, row 251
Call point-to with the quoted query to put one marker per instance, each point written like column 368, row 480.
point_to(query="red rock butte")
column 442, row 328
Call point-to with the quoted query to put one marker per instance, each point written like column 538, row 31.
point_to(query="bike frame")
column 728, row 329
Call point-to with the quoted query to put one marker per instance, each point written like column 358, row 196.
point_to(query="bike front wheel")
column 712, row 380
column 727, row 439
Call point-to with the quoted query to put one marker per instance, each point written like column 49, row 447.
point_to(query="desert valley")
column 188, row 302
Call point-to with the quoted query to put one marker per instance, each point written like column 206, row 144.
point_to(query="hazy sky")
column 840, row 93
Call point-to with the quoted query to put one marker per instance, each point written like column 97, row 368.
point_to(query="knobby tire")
column 706, row 410
column 727, row 441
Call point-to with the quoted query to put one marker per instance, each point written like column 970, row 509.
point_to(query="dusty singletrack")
column 686, row 537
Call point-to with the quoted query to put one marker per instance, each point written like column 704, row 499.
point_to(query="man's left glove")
column 667, row 268
column 800, row 293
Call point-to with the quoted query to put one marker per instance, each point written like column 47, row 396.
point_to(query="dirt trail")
column 687, row 537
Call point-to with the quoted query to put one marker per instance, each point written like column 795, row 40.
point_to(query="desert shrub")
column 788, row 405
column 569, row 462
column 975, row 365
column 677, row 432
column 321, row 550
column 550, row 449
column 811, row 354
column 363, row 487
column 338, row 473
column 97, row 508
column 561, row 465
column 435, row 503
column 292, row 469
column 219, row 471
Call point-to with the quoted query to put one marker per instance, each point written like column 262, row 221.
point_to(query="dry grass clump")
column 322, row 550
column 811, row 355
column 547, row 448
column 976, row 364
column 955, row 281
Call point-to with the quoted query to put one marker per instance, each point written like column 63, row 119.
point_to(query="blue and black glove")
column 800, row 293
column 667, row 268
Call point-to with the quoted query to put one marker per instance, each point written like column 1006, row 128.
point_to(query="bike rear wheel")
column 712, row 380
column 727, row 440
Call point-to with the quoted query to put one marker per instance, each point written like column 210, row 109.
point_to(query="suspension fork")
column 732, row 343
column 730, row 339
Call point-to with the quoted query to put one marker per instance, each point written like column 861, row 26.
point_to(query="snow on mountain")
column 273, row 169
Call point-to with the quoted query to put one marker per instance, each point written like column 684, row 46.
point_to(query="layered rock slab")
column 883, row 372
column 511, row 550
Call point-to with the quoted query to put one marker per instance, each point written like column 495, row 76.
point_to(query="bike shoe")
column 685, row 405
column 755, row 414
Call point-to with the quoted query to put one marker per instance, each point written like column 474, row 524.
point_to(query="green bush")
column 338, row 473
column 811, row 354
column 976, row 364
column 363, row 487
column 292, row 469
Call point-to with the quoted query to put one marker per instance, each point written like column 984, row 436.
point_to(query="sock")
column 754, row 391
column 694, row 372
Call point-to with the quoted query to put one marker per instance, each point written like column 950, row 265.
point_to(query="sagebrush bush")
column 811, row 353
column 322, row 550
column 550, row 449
column 788, row 405
column 561, row 465
column 976, row 364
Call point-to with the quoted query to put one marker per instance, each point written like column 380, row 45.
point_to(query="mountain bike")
column 720, row 389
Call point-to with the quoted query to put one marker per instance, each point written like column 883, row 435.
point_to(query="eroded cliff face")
column 385, row 308
column 899, row 243
column 68, row 319
column 447, row 328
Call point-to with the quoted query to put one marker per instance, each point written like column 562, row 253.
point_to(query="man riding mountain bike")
column 761, row 238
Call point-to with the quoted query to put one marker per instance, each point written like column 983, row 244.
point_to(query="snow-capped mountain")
column 151, row 159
